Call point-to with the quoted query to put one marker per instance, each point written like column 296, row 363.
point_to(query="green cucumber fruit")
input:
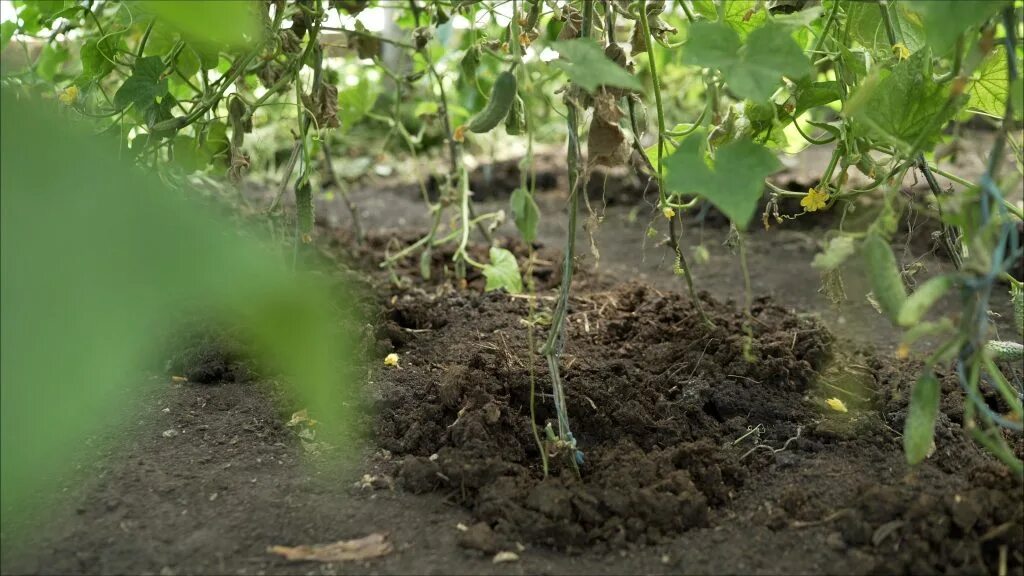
column 304, row 208
column 1017, row 296
column 884, row 275
column 1004, row 350
column 923, row 298
column 503, row 93
column 919, row 429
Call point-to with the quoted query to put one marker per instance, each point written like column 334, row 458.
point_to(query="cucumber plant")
column 701, row 96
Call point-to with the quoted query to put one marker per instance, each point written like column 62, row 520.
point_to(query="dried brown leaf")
column 573, row 23
column 372, row 546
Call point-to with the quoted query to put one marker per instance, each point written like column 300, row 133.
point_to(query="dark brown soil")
column 654, row 393
column 695, row 460
column 661, row 406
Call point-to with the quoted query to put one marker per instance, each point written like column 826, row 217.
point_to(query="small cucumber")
column 884, row 275
column 923, row 298
column 515, row 122
column 503, row 93
column 1004, row 350
column 1017, row 296
column 919, row 429
column 304, row 209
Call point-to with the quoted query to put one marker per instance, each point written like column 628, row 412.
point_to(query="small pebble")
column 170, row 433
column 505, row 556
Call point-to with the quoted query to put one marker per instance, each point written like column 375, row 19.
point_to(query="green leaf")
column 355, row 102
column 753, row 70
column 50, row 60
column 868, row 29
column 586, row 65
column 212, row 22
column 705, row 8
column 835, row 253
column 144, row 86
column 903, row 106
column 209, row 56
column 944, row 20
column 122, row 266
column 216, row 141
column 97, row 57
column 7, row 30
column 799, row 19
column 712, row 46
column 503, row 272
column 813, row 94
column 989, row 86
column 188, row 62
column 189, row 155
column 734, row 183
column 48, row 9
column 525, row 213
column 667, row 147
column 30, row 20
column 427, row 108
column 920, row 425
column 744, row 16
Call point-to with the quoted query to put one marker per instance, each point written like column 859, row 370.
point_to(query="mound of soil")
column 655, row 396
column 679, row 431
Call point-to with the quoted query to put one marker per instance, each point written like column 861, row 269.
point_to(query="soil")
column 695, row 460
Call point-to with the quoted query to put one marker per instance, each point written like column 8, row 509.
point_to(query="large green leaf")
column 733, row 183
column 355, row 102
column 742, row 16
column 99, row 263
column 49, row 62
column 7, row 30
column 586, row 65
column 98, row 57
column 525, row 213
column 753, row 69
column 904, row 106
column 944, row 20
column 144, row 86
column 211, row 22
column 868, row 29
column 813, row 94
column 920, row 425
column 989, row 87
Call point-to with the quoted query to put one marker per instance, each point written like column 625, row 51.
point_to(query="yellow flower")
column 836, row 404
column 68, row 96
column 814, row 200
column 391, row 360
column 668, row 212
column 903, row 351
column 901, row 51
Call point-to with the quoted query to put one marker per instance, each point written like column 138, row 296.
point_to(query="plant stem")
column 685, row 267
column 649, row 41
column 825, row 28
column 552, row 349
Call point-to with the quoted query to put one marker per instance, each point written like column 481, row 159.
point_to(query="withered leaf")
column 371, row 546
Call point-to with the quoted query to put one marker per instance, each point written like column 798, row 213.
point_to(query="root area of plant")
column 681, row 431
